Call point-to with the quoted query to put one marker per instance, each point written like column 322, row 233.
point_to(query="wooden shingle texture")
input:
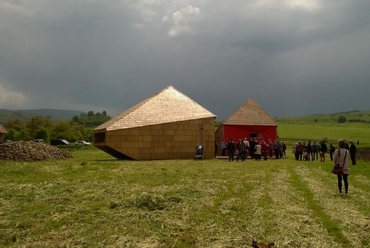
column 169, row 105
column 168, row 125
column 250, row 113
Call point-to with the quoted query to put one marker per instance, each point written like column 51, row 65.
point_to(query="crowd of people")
column 302, row 151
column 313, row 151
column 340, row 156
column 256, row 149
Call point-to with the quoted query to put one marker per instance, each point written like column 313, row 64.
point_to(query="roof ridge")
column 153, row 110
column 250, row 113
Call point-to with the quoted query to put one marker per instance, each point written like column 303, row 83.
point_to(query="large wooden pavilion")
column 168, row 125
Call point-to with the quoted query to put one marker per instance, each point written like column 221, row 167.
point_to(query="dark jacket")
column 323, row 147
column 352, row 149
column 231, row 146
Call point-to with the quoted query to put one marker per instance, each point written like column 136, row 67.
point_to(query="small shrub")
column 342, row 119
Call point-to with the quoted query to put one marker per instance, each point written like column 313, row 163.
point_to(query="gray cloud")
column 292, row 57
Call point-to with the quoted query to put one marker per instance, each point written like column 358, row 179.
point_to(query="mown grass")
column 93, row 200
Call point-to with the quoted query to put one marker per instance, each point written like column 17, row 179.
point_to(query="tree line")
column 80, row 127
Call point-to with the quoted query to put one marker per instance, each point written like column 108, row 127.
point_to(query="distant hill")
column 354, row 116
column 27, row 114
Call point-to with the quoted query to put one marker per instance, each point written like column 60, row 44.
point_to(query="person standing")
column 264, row 150
column 284, row 149
column 257, row 151
column 252, row 143
column 246, row 143
column 223, row 147
column 331, row 151
column 315, row 151
column 281, row 148
column 231, row 149
column 309, row 149
column 299, row 149
column 242, row 149
column 276, row 149
column 323, row 150
column 294, row 151
column 271, row 148
column 341, row 157
column 352, row 152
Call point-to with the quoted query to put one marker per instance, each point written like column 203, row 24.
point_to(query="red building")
column 249, row 121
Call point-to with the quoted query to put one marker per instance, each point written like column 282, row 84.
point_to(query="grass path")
column 348, row 216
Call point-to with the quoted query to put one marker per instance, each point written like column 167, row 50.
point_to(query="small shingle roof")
column 250, row 113
column 2, row 129
column 168, row 105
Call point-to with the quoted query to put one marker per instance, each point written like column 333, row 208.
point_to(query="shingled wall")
column 176, row 140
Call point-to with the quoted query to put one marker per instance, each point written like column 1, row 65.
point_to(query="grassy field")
column 353, row 117
column 326, row 126
column 93, row 200
column 291, row 133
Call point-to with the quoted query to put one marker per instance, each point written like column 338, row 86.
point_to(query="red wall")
column 237, row 132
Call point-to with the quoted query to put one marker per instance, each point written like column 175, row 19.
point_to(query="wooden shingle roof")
column 168, row 105
column 250, row 113
column 2, row 129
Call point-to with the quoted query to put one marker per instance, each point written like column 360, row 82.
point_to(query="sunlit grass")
column 93, row 200
column 291, row 133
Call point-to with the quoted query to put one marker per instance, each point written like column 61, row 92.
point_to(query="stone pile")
column 31, row 151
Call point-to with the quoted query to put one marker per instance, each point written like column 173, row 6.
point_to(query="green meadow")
column 94, row 200
column 292, row 133
column 319, row 127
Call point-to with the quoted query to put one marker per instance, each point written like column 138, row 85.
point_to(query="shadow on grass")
column 110, row 160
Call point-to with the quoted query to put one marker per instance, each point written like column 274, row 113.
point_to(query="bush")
column 356, row 120
column 342, row 119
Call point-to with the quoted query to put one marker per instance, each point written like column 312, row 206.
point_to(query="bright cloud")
column 182, row 20
column 303, row 4
column 145, row 8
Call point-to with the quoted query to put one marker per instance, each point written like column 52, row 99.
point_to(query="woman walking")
column 341, row 157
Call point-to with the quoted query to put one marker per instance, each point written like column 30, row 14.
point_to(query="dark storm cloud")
column 292, row 57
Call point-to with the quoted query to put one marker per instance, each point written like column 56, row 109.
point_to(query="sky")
column 293, row 57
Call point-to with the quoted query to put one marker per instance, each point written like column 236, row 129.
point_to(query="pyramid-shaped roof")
column 250, row 113
column 168, row 105
column 2, row 129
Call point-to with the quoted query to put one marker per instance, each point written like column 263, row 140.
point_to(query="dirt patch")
column 31, row 151
column 363, row 154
